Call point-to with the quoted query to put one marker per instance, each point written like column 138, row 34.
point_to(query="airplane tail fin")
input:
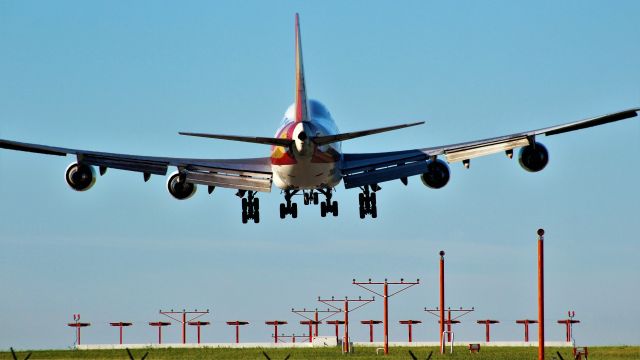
column 329, row 139
column 302, row 111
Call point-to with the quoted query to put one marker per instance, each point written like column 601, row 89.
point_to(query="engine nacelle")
column 80, row 177
column 533, row 158
column 179, row 188
column 437, row 175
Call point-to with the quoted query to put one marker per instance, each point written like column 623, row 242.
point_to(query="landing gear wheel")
column 362, row 214
column 315, row 198
column 334, row 208
column 244, row 217
column 244, row 205
column 294, row 210
column 374, row 212
column 306, row 199
column 323, row 209
column 256, row 204
column 283, row 211
column 373, row 199
column 256, row 217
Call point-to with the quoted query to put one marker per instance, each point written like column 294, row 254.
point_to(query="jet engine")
column 179, row 188
column 533, row 158
column 437, row 175
column 80, row 177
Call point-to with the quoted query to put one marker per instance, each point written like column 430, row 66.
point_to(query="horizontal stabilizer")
column 329, row 139
column 249, row 139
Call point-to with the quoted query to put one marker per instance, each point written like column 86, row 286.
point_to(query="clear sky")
column 127, row 76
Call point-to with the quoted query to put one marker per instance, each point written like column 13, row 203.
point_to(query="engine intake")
column 533, row 158
column 179, row 188
column 80, row 177
column 437, row 175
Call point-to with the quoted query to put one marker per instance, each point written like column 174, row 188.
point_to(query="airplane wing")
column 243, row 174
column 373, row 168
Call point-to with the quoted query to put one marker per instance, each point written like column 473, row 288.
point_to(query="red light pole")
column 120, row 325
column 346, row 311
column 526, row 323
column 77, row 324
column 569, row 324
column 159, row 325
column 311, row 323
column 487, row 324
column 449, row 321
column 237, row 324
column 198, row 324
column 410, row 324
column 540, row 294
column 337, row 324
column 385, row 296
column 316, row 317
column 184, row 320
column 370, row 323
column 275, row 324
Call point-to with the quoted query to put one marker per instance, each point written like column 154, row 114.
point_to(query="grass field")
column 499, row 353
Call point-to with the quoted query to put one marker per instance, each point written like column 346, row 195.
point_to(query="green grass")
column 498, row 353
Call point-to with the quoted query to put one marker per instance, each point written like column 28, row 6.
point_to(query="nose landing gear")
column 367, row 201
column 250, row 206
column 311, row 197
column 289, row 208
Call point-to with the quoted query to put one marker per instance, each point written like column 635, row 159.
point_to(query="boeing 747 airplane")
column 306, row 159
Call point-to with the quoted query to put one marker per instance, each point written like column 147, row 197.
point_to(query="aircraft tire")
column 256, row 217
column 294, row 210
column 334, row 209
column 323, row 209
column 315, row 198
column 256, row 204
column 283, row 212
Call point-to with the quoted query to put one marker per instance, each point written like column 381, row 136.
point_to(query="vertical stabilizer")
column 302, row 113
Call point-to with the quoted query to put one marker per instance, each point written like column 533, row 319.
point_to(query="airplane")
column 306, row 159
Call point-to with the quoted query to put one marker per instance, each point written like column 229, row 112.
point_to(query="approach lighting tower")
column 77, row 325
column 183, row 320
column 120, row 325
column 345, row 309
column 385, row 296
column 370, row 323
column 237, row 324
column 316, row 316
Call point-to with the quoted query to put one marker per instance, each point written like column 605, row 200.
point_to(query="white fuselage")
column 305, row 165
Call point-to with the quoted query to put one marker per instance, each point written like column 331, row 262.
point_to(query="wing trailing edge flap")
column 473, row 151
column 241, row 180
column 368, row 169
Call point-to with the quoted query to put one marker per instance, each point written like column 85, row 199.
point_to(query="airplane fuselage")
column 306, row 165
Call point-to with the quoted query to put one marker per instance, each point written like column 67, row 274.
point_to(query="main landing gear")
column 250, row 206
column 367, row 201
column 289, row 208
column 328, row 206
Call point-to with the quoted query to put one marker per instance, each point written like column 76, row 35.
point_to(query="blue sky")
column 126, row 77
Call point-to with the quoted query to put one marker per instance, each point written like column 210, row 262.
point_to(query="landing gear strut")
column 250, row 206
column 310, row 197
column 289, row 208
column 367, row 201
column 328, row 206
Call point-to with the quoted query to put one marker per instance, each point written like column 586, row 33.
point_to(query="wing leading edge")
column 368, row 169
